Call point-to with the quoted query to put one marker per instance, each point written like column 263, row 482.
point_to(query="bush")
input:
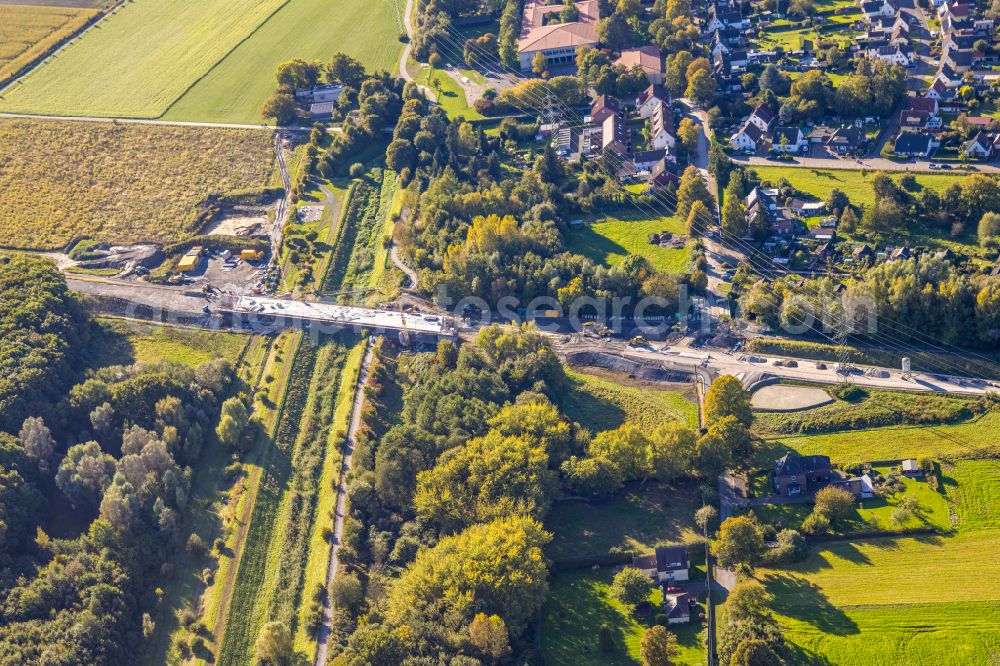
column 196, row 545
column 357, row 170
column 851, row 393
column 816, row 524
column 661, row 619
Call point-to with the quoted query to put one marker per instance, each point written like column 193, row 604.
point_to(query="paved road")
column 340, row 511
column 871, row 163
column 145, row 121
column 404, row 58
column 411, row 274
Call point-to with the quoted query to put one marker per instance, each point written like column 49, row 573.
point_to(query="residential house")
column 763, row 117
column 650, row 98
column 874, row 8
column 954, row 10
column 911, row 469
column 645, row 159
column 847, row 140
column 614, row 135
column 663, row 173
column 900, row 254
column 960, row 60
column 747, row 138
column 677, row 606
column 541, row 32
column 894, row 55
column 788, row 140
column 647, row 58
column 863, row 255
column 603, row 107
column 661, row 127
column 798, row 475
column 978, row 147
column 938, row 91
column 666, row 564
column 915, row 144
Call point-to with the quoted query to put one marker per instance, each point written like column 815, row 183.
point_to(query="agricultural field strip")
column 219, row 596
column 319, row 547
column 118, row 183
column 250, row 600
column 235, row 87
column 145, row 56
column 28, row 32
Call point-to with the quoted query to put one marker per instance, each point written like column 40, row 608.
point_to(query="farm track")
column 340, row 512
column 148, row 121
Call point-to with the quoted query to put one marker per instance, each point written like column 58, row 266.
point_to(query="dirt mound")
column 637, row 369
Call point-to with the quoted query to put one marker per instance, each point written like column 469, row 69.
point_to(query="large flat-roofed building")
column 541, row 32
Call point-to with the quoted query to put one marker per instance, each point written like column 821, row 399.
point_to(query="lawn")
column 975, row 487
column 118, row 183
column 126, row 341
column 27, row 32
column 637, row 518
column 972, row 439
column 873, row 513
column 579, row 604
column 610, row 238
column 605, row 401
column 141, row 59
column 933, row 599
column 857, row 185
column 449, row 92
column 233, row 90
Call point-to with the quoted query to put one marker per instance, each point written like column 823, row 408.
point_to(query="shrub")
column 816, row 524
column 196, row 545
column 357, row 170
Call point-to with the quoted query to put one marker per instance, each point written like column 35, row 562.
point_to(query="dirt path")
column 141, row 121
column 411, row 274
column 286, row 201
column 323, row 640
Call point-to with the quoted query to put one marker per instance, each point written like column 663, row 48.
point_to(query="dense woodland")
column 114, row 450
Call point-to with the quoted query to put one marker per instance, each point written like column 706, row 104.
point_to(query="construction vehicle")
column 252, row 254
column 638, row 341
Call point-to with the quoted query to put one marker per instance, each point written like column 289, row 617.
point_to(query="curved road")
column 340, row 512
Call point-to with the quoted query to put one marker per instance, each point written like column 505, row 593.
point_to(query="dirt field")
column 782, row 398
column 118, row 183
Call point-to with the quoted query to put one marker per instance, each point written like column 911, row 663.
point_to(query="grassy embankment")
column 237, row 503
column 288, row 516
column 318, row 558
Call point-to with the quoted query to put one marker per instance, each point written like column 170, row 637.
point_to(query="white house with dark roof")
column 747, row 138
column 661, row 127
column 666, row 564
column 650, row 98
column 788, row 140
column 979, row 147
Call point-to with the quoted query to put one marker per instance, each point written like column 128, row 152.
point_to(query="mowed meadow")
column 27, row 32
column 234, row 90
column 200, row 60
column 118, row 183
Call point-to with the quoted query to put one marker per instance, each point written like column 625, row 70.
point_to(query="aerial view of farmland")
column 499, row 333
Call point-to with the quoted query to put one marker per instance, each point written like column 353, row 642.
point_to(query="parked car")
column 932, row 165
column 673, row 588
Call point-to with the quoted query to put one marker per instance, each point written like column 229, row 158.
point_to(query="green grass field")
column 126, row 341
column 205, row 60
column 610, row 238
column 636, row 518
column 926, row 600
column 972, row 439
column 141, row 59
column 604, row 402
column 857, row 185
column 579, row 604
column 975, row 489
column 450, row 94
column 874, row 513
column 235, row 87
